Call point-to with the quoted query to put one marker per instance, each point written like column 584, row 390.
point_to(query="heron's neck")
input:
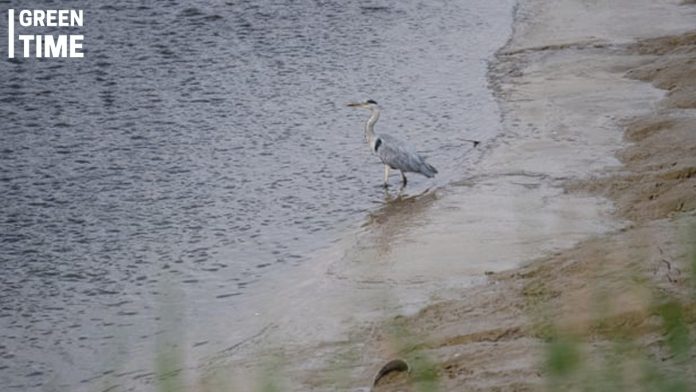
column 370, row 125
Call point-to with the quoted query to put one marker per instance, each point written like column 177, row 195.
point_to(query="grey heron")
column 393, row 152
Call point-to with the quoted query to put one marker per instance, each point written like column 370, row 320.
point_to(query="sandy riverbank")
column 571, row 72
column 590, row 187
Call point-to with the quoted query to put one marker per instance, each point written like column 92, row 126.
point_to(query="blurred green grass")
column 617, row 358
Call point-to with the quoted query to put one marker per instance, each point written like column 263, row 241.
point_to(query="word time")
column 46, row 45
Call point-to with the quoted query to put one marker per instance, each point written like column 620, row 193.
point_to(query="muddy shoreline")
column 590, row 187
column 497, row 337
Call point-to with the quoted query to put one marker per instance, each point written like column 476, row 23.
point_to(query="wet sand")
column 590, row 189
column 587, row 98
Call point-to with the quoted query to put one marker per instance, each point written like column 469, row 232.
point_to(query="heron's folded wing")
column 399, row 154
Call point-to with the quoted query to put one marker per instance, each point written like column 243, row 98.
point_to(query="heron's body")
column 399, row 155
column 393, row 152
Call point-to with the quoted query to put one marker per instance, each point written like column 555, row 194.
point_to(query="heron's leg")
column 386, row 175
column 403, row 178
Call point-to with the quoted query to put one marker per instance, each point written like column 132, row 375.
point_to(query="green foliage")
column 562, row 357
column 424, row 373
column 167, row 365
column 675, row 330
column 612, row 357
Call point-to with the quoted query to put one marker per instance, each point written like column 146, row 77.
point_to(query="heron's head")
column 369, row 104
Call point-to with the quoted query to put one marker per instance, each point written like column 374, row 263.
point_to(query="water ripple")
column 199, row 145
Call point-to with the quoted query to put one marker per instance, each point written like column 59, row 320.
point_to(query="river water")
column 147, row 187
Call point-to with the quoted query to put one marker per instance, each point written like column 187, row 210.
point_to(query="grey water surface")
column 200, row 144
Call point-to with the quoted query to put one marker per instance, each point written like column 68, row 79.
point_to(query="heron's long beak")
column 355, row 105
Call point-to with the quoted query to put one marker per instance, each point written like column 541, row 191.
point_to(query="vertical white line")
column 10, row 33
